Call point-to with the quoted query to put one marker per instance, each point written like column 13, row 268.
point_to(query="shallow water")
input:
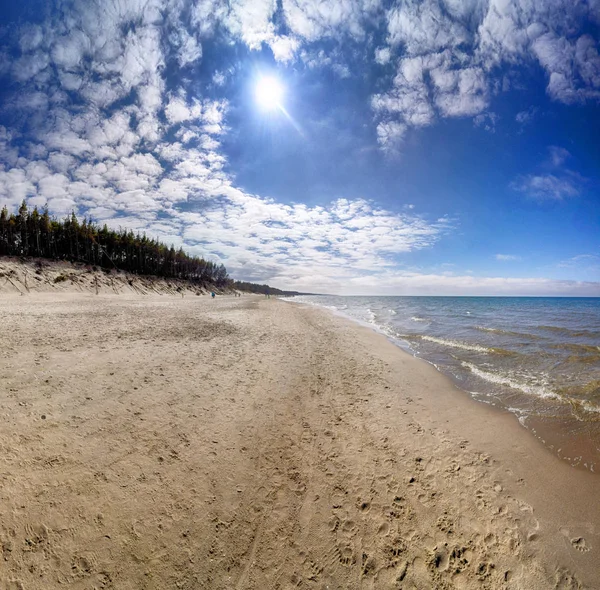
column 536, row 357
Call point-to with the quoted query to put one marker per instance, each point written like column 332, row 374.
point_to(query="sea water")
column 538, row 358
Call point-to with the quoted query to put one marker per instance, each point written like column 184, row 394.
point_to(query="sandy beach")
column 163, row 442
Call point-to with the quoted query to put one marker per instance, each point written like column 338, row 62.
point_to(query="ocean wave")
column 587, row 390
column 457, row 344
column 473, row 347
column 570, row 332
column 580, row 348
column 589, row 407
column 417, row 319
column 578, row 359
column 392, row 311
column 507, row 332
column 499, row 379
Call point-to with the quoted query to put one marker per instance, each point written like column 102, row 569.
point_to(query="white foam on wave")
column 392, row 312
column 588, row 407
column 494, row 330
column 520, row 414
column 457, row 344
column 417, row 319
column 500, row 379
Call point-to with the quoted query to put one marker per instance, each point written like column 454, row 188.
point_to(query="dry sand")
column 160, row 442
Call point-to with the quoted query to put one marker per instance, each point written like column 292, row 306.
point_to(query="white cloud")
column 398, row 283
column 383, row 55
column 558, row 185
column 573, row 68
column 547, row 187
column 189, row 49
column 62, row 163
column 219, row 78
column 250, row 20
column 29, row 66
column 558, row 155
column 525, row 117
column 459, row 48
column 53, row 186
column 390, row 135
column 315, row 19
column 422, row 27
column 15, row 186
column 248, row 230
column 68, row 51
column 31, row 38
column 284, row 48
column 178, row 111
column 507, row 257
column 586, row 266
column 487, row 121
column 592, row 260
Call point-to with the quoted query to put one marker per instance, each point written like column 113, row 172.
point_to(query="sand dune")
column 167, row 442
column 49, row 276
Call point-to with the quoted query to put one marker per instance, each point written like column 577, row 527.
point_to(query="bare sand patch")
column 161, row 442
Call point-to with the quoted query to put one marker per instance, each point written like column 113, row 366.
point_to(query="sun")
column 269, row 93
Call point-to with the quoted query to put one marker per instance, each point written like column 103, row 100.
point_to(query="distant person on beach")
column 212, row 294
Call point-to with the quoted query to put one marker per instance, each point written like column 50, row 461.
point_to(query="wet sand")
column 166, row 442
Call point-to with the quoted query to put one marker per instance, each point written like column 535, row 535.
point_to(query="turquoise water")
column 538, row 358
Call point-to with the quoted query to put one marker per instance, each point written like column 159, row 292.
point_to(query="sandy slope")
column 38, row 275
column 160, row 442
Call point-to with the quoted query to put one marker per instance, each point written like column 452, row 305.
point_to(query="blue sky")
column 432, row 147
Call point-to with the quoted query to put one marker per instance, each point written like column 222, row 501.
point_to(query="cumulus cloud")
column 383, row 55
column 254, row 233
column 573, row 67
column 313, row 19
column 458, row 49
column 178, row 111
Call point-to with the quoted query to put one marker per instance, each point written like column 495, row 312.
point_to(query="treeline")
column 31, row 233
column 261, row 289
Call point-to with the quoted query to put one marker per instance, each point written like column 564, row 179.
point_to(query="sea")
column 536, row 357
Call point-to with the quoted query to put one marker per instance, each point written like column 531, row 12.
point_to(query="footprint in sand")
column 565, row 580
column 346, row 555
column 440, row 559
column 395, row 550
column 577, row 542
column 384, row 529
column 580, row 544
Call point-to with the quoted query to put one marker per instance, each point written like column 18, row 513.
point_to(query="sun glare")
column 269, row 93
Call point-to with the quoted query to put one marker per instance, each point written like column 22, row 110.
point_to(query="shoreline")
column 244, row 443
column 548, row 486
column 557, row 436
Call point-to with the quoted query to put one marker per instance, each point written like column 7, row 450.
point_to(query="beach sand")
column 164, row 442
